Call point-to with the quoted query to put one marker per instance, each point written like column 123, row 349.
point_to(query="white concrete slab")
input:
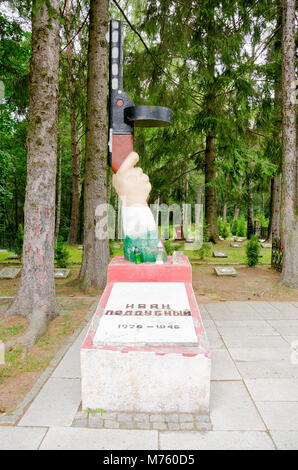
column 276, row 310
column 231, row 408
column 273, row 389
column 285, row 440
column 214, row 339
column 286, row 308
column 254, row 342
column 146, row 314
column 232, row 311
column 149, row 331
column 285, row 327
column 142, row 381
column 55, row 405
column 17, row 438
column 70, row 366
column 222, row 366
column 267, row 369
column 59, row 438
column 246, row 332
column 262, row 306
column 261, row 353
column 216, row 440
column 278, row 415
column 242, row 324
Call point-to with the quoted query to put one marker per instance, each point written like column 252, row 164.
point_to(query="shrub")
column 204, row 251
column 169, row 248
column 234, row 229
column 252, row 251
column 226, row 231
column 242, row 227
column 220, row 226
column 61, row 254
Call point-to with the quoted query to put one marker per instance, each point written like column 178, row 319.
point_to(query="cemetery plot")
column 219, row 254
column 10, row 273
column 225, row 271
column 62, row 273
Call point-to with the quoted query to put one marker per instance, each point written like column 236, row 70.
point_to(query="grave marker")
column 225, row 271
column 9, row 273
column 219, row 254
column 62, row 273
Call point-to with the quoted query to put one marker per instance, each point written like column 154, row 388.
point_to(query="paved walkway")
column 254, row 391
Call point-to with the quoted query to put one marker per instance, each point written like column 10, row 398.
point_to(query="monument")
column 146, row 350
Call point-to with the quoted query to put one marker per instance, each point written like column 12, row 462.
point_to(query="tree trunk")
column 96, row 251
column 199, row 194
column 210, row 190
column 263, row 204
column 236, row 213
column 250, row 221
column 36, row 298
column 210, row 152
column 59, row 186
column 224, row 214
column 274, row 207
column 75, row 158
column 289, row 275
column 16, row 193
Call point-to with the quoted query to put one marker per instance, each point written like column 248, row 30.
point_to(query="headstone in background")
column 3, row 251
column 266, row 245
column 225, row 271
column 80, row 247
column 62, row 273
column 10, row 273
column 235, row 245
column 13, row 256
column 219, row 254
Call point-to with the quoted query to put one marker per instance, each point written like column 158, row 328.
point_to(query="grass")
column 235, row 255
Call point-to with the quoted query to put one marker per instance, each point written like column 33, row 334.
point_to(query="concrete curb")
column 16, row 415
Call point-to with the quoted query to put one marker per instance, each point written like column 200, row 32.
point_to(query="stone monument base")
column 146, row 350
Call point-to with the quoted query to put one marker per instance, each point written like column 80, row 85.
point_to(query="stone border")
column 148, row 421
column 19, row 411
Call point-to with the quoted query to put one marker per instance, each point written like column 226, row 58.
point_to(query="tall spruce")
column 289, row 275
column 96, row 251
column 36, row 298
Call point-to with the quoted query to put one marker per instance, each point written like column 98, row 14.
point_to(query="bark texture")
column 289, row 275
column 96, row 251
column 274, row 207
column 59, row 189
column 210, row 190
column 36, row 298
column 75, row 159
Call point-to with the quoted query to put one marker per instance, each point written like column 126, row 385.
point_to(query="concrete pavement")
column 254, row 391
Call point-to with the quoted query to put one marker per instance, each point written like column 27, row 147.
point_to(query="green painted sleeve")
column 146, row 243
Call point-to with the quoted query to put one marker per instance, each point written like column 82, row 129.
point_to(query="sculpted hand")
column 130, row 183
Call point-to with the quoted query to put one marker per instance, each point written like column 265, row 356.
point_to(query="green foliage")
column 252, row 250
column 112, row 249
column 241, row 227
column 226, row 231
column 61, row 254
column 234, row 229
column 220, row 226
column 169, row 248
column 204, row 251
